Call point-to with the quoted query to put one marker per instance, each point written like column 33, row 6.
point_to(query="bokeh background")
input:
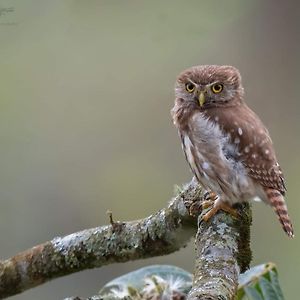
column 85, row 93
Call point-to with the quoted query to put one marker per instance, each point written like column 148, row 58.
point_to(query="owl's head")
column 210, row 86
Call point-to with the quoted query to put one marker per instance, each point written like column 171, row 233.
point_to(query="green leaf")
column 267, row 289
column 260, row 282
column 252, row 293
column 275, row 284
column 252, row 274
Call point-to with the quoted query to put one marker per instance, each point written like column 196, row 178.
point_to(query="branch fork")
column 222, row 248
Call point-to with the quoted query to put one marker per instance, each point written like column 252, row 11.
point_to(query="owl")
column 226, row 145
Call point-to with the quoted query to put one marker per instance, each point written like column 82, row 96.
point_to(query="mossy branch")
column 222, row 251
column 162, row 233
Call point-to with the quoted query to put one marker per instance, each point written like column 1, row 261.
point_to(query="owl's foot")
column 216, row 206
column 196, row 207
column 207, row 203
column 210, row 196
column 209, row 199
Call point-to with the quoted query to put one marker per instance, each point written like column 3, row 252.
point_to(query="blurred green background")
column 85, row 93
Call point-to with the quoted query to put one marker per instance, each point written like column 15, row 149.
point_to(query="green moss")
column 244, row 256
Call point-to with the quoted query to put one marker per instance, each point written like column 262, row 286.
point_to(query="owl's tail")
column 277, row 202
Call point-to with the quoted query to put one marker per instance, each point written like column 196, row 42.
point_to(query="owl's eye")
column 217, row 88
column 190, row 87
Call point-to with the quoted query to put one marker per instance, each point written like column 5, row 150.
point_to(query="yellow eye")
column 190, row 87
column 217, row 88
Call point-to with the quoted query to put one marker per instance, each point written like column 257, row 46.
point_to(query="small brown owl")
column 228, row 148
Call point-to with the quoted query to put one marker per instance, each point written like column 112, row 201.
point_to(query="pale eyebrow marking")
column 210, row 84
column 191, row 81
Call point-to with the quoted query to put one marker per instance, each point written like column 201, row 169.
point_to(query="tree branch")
column 222, row 250
column 159, row 234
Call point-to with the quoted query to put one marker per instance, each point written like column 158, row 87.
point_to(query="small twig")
column 111, row 220
column 115, row 225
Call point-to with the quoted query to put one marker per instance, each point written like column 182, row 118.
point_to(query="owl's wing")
column 265, row 169
column 254, row 144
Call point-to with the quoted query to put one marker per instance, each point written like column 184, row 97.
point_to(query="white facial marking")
column 246, row 149
column 240, row 131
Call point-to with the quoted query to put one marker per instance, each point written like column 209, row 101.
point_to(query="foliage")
column 260, row 283
column 170, row 282
column 153, row 282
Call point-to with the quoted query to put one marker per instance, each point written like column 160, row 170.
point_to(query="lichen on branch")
column 222, row 252
column 162, row 233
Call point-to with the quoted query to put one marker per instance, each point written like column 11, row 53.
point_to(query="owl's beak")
column 201, row 98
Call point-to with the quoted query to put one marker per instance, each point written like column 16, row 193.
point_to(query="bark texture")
column 222, row 251
column 159, row 234
column 221, row 245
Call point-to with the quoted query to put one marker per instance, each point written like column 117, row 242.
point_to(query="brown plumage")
column 225, row 143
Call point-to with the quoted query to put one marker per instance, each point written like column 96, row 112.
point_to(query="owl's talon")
column 195, row 209
column 206, row 204
column 206, row 195
column 220, row 206
column 210, row 196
